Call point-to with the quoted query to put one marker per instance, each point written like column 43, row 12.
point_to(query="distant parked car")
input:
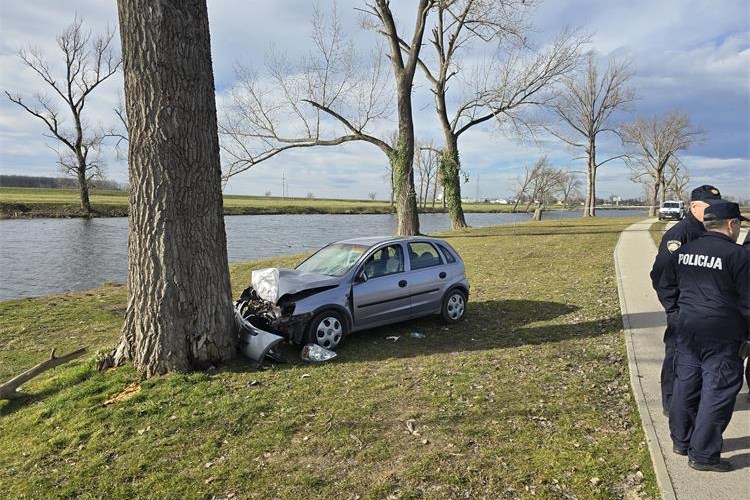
column 673, row 210
column 358, row 284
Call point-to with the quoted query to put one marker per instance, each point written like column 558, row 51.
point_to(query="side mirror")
column 361, row 277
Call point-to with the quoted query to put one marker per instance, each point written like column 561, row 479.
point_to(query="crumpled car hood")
column 273, row 283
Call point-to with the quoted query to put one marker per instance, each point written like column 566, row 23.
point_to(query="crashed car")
column 357, row 284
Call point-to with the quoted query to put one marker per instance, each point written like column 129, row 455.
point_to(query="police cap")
column 723, row 210
column 705, row 193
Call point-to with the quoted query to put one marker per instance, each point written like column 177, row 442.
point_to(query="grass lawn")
column 37, row 202
column 657, row 230
column 528, row 397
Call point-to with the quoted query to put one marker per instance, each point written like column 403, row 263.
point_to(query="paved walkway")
column 644, row 322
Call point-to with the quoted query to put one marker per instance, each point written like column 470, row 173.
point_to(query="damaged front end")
column 271, row 301
column 277, row 318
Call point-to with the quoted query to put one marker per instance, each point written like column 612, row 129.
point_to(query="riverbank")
column 16, row 203
column 528, row 396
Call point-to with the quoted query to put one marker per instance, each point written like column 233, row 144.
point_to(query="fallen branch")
column 8, row 389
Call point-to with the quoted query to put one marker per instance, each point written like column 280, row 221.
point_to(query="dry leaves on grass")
column 127, row 393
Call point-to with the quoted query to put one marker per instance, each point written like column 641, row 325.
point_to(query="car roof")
column 372, row 241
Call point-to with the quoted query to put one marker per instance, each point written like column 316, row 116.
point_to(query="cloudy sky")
column 693, row 55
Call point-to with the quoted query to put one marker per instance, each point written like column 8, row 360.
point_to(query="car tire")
column 454, row 306
column 327, row 329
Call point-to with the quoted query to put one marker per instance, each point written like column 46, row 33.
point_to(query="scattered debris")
column 393, row 338
column 357, row 440
column 417, row 335
column 305, row 375
column 595, row 481
column 127, row 393
column 411, row 427
column 314, row 353
column 253, row 383
column 210, row 464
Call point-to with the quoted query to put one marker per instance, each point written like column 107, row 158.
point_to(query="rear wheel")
column 454, row 306
column 327, row 329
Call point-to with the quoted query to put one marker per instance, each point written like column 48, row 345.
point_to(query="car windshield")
column 334, row 260
column 671, row 205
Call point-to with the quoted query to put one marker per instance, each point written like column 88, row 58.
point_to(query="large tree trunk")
column 589, row 208
column 402, row 159
column 402, row 162
column 538, row 212
column 83, row 189
column 450, row 177
column 179, row 313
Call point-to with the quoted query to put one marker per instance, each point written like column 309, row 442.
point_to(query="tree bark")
column 450, row 178
column 83, row 189
column 589, row 208
column 179, row 314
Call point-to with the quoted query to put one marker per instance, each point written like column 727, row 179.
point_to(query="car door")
column 426, row 278
column 383, row 297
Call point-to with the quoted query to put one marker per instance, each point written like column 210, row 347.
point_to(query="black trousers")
column 669, row 363
column 709, row 377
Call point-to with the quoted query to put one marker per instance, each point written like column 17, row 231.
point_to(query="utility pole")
column 476, row 199
column 283, row 185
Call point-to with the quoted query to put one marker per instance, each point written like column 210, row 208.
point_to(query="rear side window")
column 449, row 258
column 423, row 255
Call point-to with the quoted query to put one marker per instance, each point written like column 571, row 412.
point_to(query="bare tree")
column 426, row 162
column 545, row 182
column 89, row 61
column 570, row 188
column 586, row 110
column 332, row 99
column 372, row 196
column 678, row 180
column 655, row 143
column 500, row 88
column 179, row 312
column 522, row 184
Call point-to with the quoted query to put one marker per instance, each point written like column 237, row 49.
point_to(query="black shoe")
column 720, row 466
column 679, row 451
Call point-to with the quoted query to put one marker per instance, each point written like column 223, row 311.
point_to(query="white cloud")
column 690, row 54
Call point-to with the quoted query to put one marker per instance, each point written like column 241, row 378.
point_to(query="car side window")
column 449, row 258
column 423, row 254
column 385, row 261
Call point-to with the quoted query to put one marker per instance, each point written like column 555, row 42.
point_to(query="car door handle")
column 402, row 283
column 442, row 275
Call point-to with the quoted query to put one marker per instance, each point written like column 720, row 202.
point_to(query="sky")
column 691, row 55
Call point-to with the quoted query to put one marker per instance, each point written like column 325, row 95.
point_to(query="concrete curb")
column 657, row 458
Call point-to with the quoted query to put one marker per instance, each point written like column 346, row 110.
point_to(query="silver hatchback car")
column 358, row 284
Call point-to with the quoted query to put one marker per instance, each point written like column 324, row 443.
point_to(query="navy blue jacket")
column 708, row 283
column 688, row 229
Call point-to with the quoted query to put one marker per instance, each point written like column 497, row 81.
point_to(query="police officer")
column 707, row 284
column 689, row 228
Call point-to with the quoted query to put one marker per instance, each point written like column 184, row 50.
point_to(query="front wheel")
column 454, row 306
column 327, row 329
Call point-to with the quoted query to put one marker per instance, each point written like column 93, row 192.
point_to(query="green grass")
column 37, row 202
column 657, row 230
column 528, row 397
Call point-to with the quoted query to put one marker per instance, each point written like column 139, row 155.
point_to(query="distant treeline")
column 28, row 181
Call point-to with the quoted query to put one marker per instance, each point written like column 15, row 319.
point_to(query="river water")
column 47, row 256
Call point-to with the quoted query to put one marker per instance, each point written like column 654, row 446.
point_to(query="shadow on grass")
column 8, row 407
column 488, row 325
